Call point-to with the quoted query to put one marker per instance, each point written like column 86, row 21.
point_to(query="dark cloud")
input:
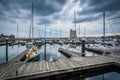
column 48, row 7
column 41, row 8
column 61, row 1
column 88, row 18
column 116, row 17
column 92, row 7
column 96, row 6
column 44, row 21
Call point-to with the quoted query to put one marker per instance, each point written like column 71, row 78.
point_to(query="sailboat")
column 60, row 41
column 33, row 52
column 30, row 41
column 107, row 43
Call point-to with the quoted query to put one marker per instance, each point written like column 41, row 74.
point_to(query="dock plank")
column 51, row 67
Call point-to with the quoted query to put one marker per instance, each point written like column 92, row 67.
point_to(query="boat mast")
column 45, row 31
column 104, row 25
column 79, row 31
column 75, row 20
column 30, row 30
column 84, row 32
column 32, row 20
column 39, row 32
column 56, row 34
column 45, row 45
column 50, row 32
column 17, row 30
column 60, row 33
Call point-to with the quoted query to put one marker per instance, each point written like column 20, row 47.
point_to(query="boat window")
column 103, row 43
column 116, row 45
column 109, row 45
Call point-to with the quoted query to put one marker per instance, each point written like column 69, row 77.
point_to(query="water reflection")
column 77, row 49
column 51, row 52
column 12, row 52
column 107, row 76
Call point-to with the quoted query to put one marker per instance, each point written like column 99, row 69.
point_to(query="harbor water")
column 107, row 76
column 52, row 51
column 13, row 51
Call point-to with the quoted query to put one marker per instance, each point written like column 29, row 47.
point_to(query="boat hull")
column 33, row 58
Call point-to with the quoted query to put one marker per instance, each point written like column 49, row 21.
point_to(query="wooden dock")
column 68, row 53
column 16, row 69
column 19, row 57
column 101, row 50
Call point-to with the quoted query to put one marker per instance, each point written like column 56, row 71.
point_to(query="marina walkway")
column 31, row 70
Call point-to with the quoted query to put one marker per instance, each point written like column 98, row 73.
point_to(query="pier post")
column 83, row 47
column 93, row 42
column 6, row 49
column 45, row 50
column 16, row 72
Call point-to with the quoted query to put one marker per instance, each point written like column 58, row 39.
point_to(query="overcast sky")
column 59, row 15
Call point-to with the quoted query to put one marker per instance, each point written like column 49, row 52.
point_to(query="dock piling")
column 16, row 72
column 93, row 42
column 83, row 47
column 6, row 49
column 45, row 50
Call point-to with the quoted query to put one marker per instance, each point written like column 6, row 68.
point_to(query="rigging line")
column 39, row 32
column 110, row 26
column 117, row 17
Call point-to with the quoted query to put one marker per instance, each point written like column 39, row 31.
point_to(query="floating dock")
column 68, row 53
column 101, row 50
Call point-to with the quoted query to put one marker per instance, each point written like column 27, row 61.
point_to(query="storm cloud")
column 96, row 6
column 59, row 13
column 93, row 7
column 11, row 9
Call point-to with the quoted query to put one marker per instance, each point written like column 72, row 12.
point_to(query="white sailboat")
column 106, row 43
column 33, row 52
